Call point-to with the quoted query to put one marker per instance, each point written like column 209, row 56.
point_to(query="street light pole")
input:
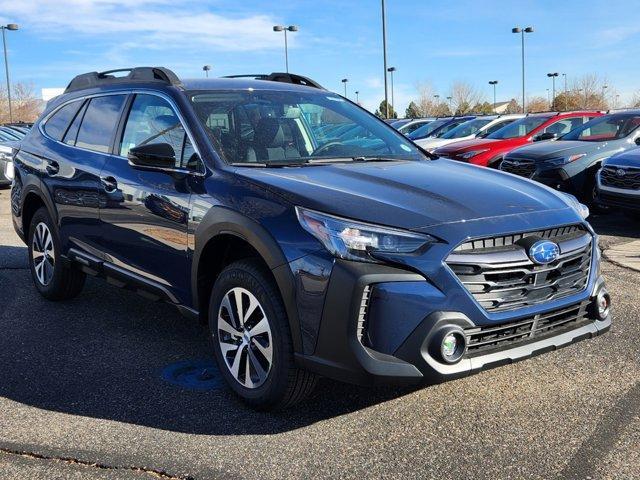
column 450, row 106
column 357, row 97
column 282, row 28
column 566, row 92
column 494, row 83
column 384, row 55
column 393, row 104
column 553, row 83
column 344, row 81
column 13, row 27
column 522, row 31
column 206, row 69
column 604, row 87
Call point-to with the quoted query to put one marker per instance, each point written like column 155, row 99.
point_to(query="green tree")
column 484, row 108
column 412, row 111
column 382, row 110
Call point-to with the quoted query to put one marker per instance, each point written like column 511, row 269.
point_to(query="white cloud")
column 144, row 23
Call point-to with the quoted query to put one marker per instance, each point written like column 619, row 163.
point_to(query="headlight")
column 580, row 208
column 473, row 153
column 8, row 171
column 358, row 241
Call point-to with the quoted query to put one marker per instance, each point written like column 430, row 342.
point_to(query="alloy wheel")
column 43, row 253
column 244, row 337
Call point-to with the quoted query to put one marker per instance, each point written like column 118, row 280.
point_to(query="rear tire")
column 54, row 280
column 252, row 344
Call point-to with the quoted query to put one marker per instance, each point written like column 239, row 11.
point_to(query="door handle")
column 110, row 184
column 52, row 167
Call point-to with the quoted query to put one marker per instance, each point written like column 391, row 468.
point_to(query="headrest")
column 268, row 133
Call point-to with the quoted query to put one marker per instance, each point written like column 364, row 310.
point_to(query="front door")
column 144, row 221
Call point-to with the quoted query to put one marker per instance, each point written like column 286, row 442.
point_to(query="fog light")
column 452, row 345
column 603, row 303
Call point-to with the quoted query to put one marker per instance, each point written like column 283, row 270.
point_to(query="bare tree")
column 590, row 89
column 537, row 104
column 26, row 106
column 464, row 97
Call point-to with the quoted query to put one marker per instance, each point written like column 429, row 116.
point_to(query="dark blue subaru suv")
column 360, row 258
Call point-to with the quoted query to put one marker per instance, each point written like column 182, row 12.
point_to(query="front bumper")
column 622, row 198
column 385, row 335
column 4, row 181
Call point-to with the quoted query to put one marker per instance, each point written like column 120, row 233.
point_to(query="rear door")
column 145, row 217
column 80, row 135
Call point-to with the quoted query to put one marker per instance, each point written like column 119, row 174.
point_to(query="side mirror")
column 153, row 155
column 545, row 136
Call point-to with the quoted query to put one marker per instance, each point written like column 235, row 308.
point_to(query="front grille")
column 483, row 340
column 610, row 177
column 522, row 167
column 499, row 274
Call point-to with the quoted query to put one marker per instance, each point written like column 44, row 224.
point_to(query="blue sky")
column 429, row 41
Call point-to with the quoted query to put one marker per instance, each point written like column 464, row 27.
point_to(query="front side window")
column 287, row 127
column 59, row 121
column 609, row 127
column 99, row 123
column 152, row 120
column 519, row 128
column 428, row 129
column 564, row 126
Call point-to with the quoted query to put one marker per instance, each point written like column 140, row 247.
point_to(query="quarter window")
column 100, row 122
column 153, row 120
column 59, row 121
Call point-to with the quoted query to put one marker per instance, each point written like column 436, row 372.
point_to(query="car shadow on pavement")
column 103, row 354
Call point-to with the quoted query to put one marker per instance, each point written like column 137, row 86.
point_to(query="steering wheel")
column 325, row 147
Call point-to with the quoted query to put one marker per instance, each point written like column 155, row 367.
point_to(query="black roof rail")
column 282, row 77
column 137, row 74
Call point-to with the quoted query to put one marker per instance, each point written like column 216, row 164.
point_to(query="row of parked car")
column 590, row 154
column 10, row 136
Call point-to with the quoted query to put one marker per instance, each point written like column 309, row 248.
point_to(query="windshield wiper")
column 269, row 164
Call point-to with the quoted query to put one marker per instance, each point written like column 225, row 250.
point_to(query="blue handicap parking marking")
column 201, row 375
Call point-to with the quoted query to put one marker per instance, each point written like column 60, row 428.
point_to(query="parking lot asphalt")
column 82, row 395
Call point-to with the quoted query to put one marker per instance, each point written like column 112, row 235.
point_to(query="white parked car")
column 478, row 127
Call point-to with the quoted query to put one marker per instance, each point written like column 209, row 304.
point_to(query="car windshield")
column 263, row 127
column 609, row 127
column 519, row 128
column 467, row 128
column 426, row 130
column 410, row 127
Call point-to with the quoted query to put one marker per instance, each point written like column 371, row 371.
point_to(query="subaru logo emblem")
column 516, row 163
column 620, row 172
column 543, row 252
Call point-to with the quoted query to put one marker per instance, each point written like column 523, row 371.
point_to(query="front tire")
column 54, row 280
column 251, row 338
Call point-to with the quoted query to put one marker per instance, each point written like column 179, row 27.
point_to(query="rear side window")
column 99, row 123
column 59, row 121
column 72, row 131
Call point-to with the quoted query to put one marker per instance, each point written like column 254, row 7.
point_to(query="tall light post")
column 12, row 27
column 282, row 28
column 566, row 92
column 549, row 98
column 384, row 58
column 391, row 70
column 207, row 69
column 553, row 76
column 344, row 81
column 615, row 104
column 357, row 97
column 604, row 87
column 522, row 31
column 450, row 106
column 494, row 83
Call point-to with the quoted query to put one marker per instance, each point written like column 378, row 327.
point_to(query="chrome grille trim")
column 500, row 275
column 630, row 181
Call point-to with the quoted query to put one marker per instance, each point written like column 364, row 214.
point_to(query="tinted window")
column 519, row 128
column 72, row 131
column 466, row 128
column 153, row 120
column 564, row 126
column 59, row 121
column 609, row 127
column 496, row 127
column 426, row 130
column 100, row 122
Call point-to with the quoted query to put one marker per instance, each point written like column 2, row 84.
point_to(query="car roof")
column 244, row 84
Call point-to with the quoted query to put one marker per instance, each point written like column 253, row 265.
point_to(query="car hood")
column 630, row 158
column 431, row 143
column 404, row 194
column 563, row 148
column 475, row 144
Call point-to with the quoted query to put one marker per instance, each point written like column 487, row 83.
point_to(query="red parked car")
column 489, row 151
